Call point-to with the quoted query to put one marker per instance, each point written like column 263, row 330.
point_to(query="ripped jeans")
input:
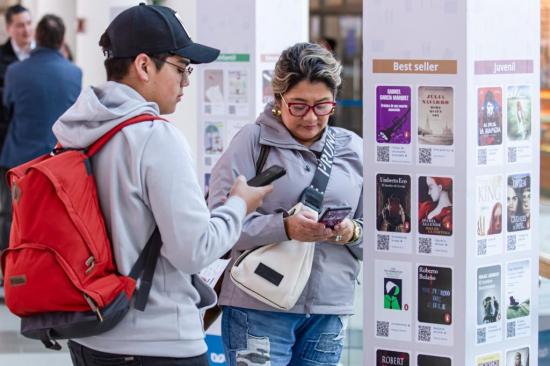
column 265, row 338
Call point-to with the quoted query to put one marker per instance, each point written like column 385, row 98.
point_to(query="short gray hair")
column 306, row 61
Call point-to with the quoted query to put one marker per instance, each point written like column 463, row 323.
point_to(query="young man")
column 145, row 178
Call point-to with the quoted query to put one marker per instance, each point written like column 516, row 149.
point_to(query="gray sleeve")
column 357, row 246
column 192, row 236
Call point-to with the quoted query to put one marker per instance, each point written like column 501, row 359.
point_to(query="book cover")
column 393, row 203
column 518, row 289
column 391, row 358
column 518, row 202
column 393, row 114
column 489, row 194
column 518, row 357
column 428, row 360
column 489, row 102
column 519, row 112
column 492, row 359
column 435, row 115
column 435, row 295
column 435, row 205
column 488, row 294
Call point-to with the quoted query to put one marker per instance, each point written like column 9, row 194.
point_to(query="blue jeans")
column 84, row 356
column 254, row 337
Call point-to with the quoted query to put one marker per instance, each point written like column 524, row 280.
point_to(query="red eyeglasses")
column 301, row 109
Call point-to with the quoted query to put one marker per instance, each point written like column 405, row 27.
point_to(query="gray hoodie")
column 145, row 177
column 330, row 289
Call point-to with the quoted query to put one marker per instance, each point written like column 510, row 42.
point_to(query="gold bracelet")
column 356, row 232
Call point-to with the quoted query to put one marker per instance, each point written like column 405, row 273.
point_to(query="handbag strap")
column 264, row 152
column 314, row 193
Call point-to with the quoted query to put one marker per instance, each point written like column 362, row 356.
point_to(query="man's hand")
column 252, row 196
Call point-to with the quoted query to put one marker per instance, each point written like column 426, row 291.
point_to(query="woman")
column 294, row 126
column 435, row 214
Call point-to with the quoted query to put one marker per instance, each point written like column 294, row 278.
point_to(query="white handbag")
column 276, row 274
column 267, row 274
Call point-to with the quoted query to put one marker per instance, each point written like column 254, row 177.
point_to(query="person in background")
column 328, row 43
column 37, row 91
column 17, row 48
column 146, row 179
column 306, row 80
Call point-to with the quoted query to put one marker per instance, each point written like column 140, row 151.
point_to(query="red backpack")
column 59, row 273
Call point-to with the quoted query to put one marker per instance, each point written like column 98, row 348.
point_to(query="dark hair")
column 117, row 68
column 14, row 10
column 50, row 32
column 330, row 43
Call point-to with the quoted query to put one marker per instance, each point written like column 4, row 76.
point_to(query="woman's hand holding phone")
column 303, row 226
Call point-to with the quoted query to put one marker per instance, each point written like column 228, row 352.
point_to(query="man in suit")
column 36, row 92
column 17, row 48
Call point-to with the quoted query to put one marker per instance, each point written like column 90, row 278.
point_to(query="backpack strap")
column 99, row 143
column 145, row 268
column 264, row 152
column 148, row 258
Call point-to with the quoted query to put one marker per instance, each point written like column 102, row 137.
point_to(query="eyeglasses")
column 183, row 71
column 301, row 109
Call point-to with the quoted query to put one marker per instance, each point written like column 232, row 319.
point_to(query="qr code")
column 482, row 157
column 232, row 109
column 207, row 161
column 481, row 335
column 383, row 153
column 383, row 242
column 425, row 155
column 208, row 109
column 424, row 333
column 512, row 154
column 382, row 329
column 511, row 243
column 510, row 329
column 424, row 245
column 482, row 247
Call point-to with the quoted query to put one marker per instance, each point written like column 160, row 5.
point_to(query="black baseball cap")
column 154, row 29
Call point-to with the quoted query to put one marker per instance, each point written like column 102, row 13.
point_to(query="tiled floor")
column 15, row 350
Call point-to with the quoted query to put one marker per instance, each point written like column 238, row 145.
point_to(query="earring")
column 276, row 112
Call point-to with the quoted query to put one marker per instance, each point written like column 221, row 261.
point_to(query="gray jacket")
column 145, row 176
column 330, row 289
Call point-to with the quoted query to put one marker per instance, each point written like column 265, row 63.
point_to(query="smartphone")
column 267, row 176
column 332, row 216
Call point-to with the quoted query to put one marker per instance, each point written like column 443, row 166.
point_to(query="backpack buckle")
column 51, row 344
column 90, row 263
column 94, row 307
